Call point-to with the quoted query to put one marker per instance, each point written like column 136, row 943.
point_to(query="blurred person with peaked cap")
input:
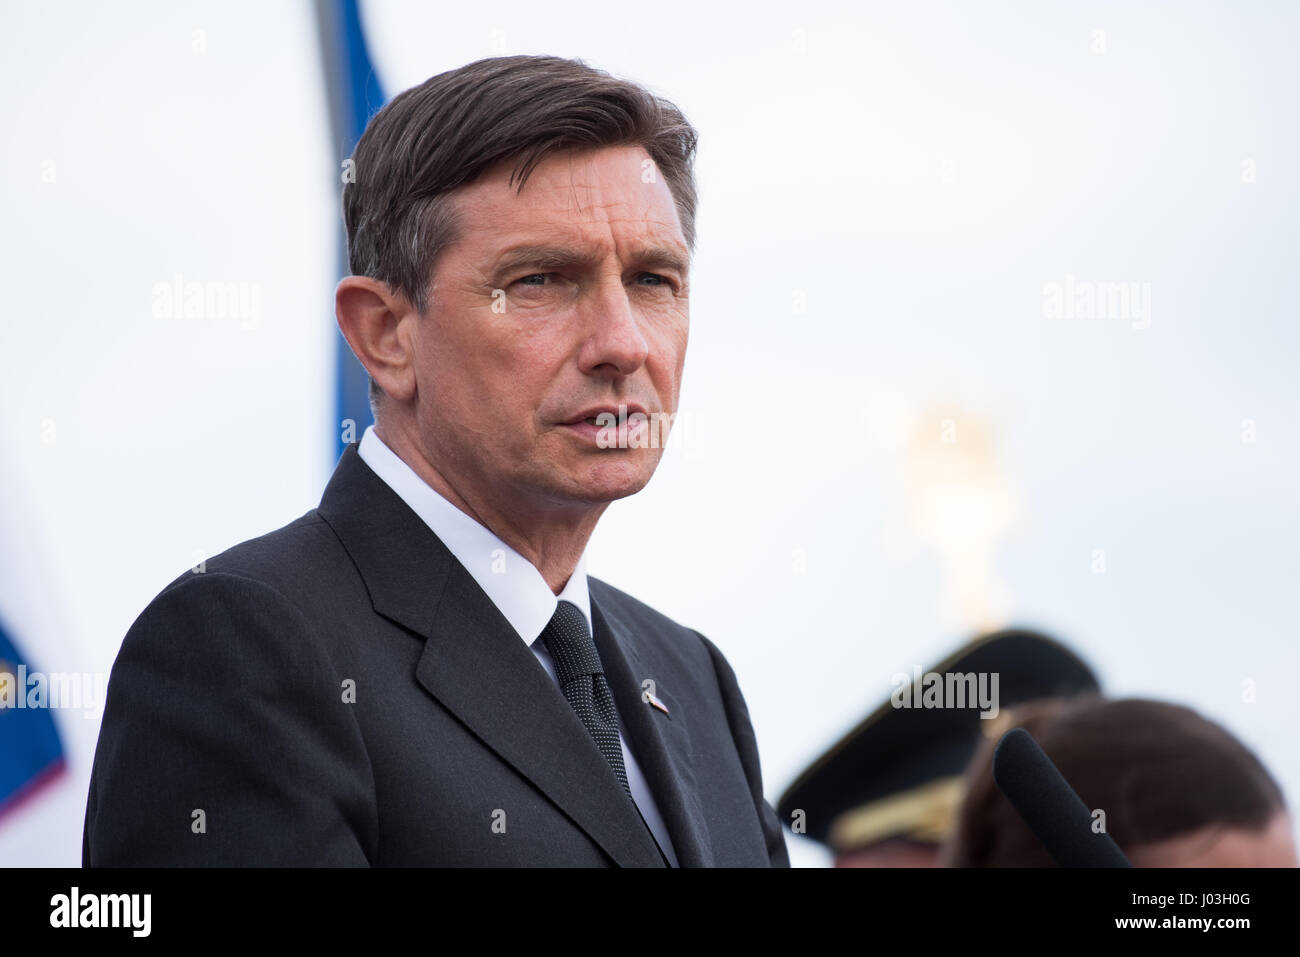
column 887, row 793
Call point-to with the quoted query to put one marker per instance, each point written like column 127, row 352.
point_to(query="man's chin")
column 610, row 481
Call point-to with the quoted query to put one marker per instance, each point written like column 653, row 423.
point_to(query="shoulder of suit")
column 276, row 559
column 690, row 647
column 637, row 613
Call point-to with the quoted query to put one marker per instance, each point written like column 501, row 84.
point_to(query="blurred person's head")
column 1177, row 789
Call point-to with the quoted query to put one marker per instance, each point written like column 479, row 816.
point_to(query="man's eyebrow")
column 656, row 255
column 662, row 256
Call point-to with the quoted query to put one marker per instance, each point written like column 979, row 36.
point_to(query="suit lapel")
column 475, row 664
column 660, row 741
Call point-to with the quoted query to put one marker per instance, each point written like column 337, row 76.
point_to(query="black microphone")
column 1046, row 802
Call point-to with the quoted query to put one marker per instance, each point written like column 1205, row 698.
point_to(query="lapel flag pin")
column 656, row 703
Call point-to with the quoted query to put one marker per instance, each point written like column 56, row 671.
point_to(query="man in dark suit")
column 419, row 671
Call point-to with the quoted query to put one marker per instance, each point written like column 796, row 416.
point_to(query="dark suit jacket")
column 227, row 739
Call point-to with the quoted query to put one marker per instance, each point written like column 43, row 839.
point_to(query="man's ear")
column 375, row 322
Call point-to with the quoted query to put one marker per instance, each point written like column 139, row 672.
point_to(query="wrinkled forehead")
column 611, row 195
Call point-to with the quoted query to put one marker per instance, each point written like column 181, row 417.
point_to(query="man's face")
column 567, row 298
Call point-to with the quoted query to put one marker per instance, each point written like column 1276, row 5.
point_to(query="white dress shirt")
column 512, row 582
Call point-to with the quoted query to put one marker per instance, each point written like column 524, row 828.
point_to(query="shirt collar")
column 512, row 582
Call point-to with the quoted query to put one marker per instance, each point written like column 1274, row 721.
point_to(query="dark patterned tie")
column 582, row 679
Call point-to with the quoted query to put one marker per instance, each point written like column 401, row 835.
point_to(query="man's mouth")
column 607, row 415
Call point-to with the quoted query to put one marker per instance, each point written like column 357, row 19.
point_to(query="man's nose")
column 614, row 336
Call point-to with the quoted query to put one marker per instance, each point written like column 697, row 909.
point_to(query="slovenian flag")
column 31, row 754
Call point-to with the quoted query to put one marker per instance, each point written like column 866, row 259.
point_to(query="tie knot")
column 570, row 643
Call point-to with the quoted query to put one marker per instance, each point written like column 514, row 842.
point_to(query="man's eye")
column 662, row 280
column 537, row 275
